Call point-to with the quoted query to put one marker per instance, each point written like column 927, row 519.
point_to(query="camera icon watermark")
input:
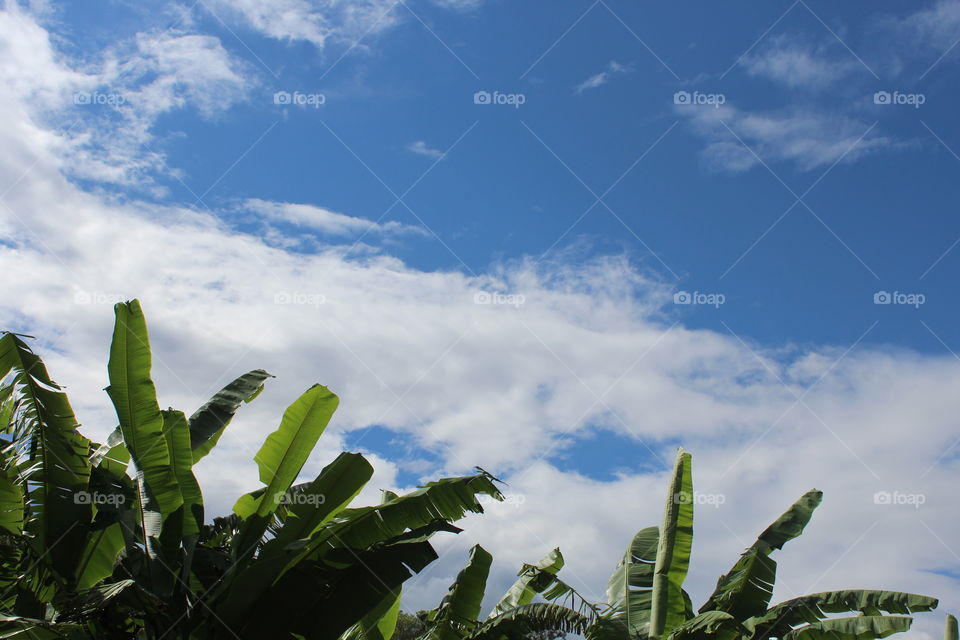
column 897, row 498
column 712, row 499
column 897, row 98
column 82, row 296
column 699, row 298
column 514, row 300
column 109, row 98
column 910, row 299
column 698, row 98
column 99, row 499
column 299, row 99
column 292, row 498
column 515, row 100
column 513, row 499
column 299, row 298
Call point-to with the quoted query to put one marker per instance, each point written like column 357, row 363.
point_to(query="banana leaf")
column 668, row 606
column 745, row 591
column 209, row 421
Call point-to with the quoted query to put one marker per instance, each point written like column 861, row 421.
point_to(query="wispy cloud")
column 324, row 220
column 921, row 40
column 461, row 5
column 420, row 147
column 314, row 22
column 108, row 107
column 322, row 22
column 800, row 64
column 806, row 137
column 935, row 27
column 613, row 68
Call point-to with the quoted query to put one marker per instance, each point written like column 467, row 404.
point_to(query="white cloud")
column 808, row 138
column 935, row 27
column 921, row 39
column 104, row 111
column 602, row 78
column 461, row 5
column 496, row 385
column 322, row 21
column 802, row 64
column 324, row 220
column 188, row 69
column 420, row 147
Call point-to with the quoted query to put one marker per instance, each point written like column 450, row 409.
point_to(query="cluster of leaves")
column 110, row 541
column 646, row 599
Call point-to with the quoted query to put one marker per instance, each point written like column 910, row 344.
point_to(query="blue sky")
column 555, row 240
column 524, row 181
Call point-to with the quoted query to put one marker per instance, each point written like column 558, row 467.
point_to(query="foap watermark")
column 698, row 98
column 99, row 499
column 514, row 100
column 82, row 296
column 305, row 298
column 299, row 99
column 514, row 499
column 699, row 298
column 105, row 98
column 898, row 498
column 300, row 497
column 493, row 298
column 895, row 97
column 712, row 499
column 898, row 297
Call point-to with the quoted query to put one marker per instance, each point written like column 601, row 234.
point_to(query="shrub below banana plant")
column 646, row 599
column 110, row 540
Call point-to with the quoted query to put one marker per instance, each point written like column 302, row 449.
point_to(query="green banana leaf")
column 859, row 628
column 432, row 507
column 91, row 602
column 446, row 499
column 24, row 628
column 812, row 608
column 296, row 606
column 629, row 587
column 712, row 625
column 110, row 448
column 460, row 608
column 135, row 399
column 7, row 406
column 529, row 619
column 109, row 479
column 745, row 591
column 181, row 529
column 950, row 629
column 11, row 502
column 668, row 608
column 333, row 489
column 209, row 421
column 280, row 460
column 11, row 523
column 176, row 432
column 54, row 457
column 532, row 580
column 380, row 623
column 99, row 556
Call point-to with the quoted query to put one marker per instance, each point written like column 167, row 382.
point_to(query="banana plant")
column 515, row 615
column 110, row 540
column 646, row 599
